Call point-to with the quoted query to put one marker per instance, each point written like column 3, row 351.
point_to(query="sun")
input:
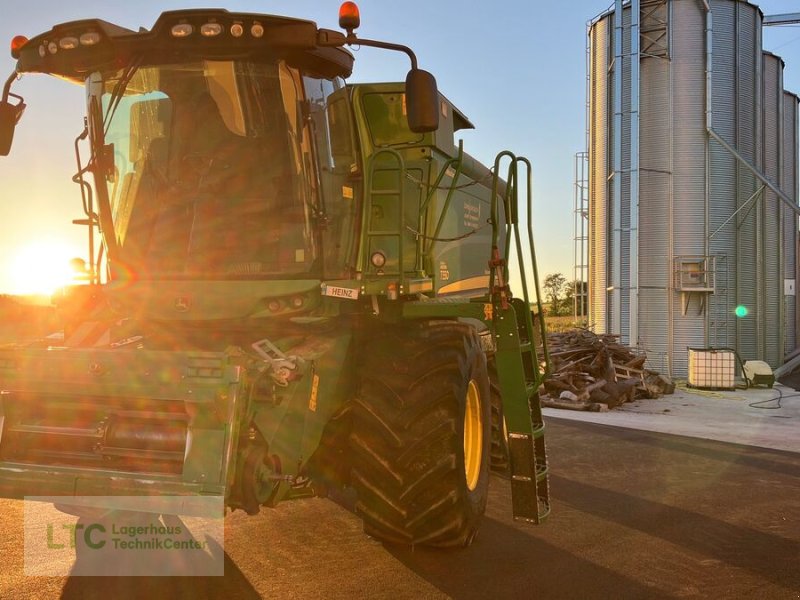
column 41, row 267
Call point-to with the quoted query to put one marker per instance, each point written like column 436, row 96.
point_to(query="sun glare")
column 41, row 267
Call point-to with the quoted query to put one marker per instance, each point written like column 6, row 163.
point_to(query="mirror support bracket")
column 9, row 115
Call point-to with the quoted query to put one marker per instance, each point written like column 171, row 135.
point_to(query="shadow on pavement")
column 769, row 556
column 507, row 563
column 145, row 574
column 765, row 459
column 233, row 585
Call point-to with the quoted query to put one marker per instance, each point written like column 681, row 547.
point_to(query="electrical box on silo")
column 711, row 369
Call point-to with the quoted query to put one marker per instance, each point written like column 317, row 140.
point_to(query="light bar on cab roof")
column 257, row 30
column 74, row 49
column 182, row 30
column 69, row 41
column 90, row 39
column 210, row 29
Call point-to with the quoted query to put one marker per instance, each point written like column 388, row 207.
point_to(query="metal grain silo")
column 688, row 138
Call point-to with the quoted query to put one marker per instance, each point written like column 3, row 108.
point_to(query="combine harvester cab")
column 292, row 283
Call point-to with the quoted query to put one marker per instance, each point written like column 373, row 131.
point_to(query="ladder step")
column 542, row 473
column 529, row 485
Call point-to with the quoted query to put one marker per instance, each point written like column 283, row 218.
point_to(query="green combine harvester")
column 293, row 284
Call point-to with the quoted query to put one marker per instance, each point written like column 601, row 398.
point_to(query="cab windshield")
column 208, row 177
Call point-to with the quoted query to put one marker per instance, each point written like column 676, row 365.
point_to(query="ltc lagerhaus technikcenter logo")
column 124, row 535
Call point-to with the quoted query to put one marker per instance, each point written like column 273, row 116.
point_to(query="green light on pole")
column 740, row 311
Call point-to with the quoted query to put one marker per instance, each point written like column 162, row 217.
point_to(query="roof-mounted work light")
column 349, row 18
column 16, row 45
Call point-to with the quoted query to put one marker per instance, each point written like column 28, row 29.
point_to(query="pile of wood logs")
column 596, row 373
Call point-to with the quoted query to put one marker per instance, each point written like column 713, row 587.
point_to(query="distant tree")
column 553, row 285
column 569, row 296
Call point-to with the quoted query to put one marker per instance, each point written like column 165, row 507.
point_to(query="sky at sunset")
column 516, row 69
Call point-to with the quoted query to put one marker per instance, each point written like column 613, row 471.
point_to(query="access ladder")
column 520, row 369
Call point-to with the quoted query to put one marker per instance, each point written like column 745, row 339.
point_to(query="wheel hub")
column 473, row 436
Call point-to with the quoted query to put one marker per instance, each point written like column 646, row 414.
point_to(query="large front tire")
column 421, row 435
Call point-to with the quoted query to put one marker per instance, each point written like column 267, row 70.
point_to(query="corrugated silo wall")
column 771, row 246
column 655, row 214
column 599, row 114
column 687, row 52
column 722, row 178
column 746, row 101
column 789, row 182
column 736, row 104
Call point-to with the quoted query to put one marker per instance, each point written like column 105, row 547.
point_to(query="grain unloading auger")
column 299, row 284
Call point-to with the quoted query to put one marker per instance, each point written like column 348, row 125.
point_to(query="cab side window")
column 329, row 117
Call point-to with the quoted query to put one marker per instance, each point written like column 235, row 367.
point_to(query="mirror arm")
column 335, row 39
column 352, row 40
column 7, row 91
column 423, row 114
column 7, row 86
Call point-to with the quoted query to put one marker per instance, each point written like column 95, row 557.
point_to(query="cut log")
column 587, row 391
column 550, row 403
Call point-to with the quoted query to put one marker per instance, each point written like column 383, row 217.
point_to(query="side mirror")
column 422, row 101
column 9, row 116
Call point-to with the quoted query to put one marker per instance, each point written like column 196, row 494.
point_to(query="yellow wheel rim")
column 473, row 436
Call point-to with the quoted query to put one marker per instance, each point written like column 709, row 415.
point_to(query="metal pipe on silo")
column 755, row 171
column 789, row 182
column 633, row 294
column 781, row 232
column 761, row 256
column 784, row 19
column 709, row 68
column 616, row 184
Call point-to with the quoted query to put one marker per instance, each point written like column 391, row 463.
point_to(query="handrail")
column 511, row 225
column 426, row 252
column 458, row 161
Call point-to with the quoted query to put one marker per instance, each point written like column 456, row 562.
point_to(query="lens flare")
column 41, row 267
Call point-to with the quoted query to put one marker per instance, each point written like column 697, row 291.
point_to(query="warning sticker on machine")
column 312, row 401
column 340, row 292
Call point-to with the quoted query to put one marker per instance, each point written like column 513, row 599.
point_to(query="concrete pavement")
column 758, row 416
column 636, row 514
